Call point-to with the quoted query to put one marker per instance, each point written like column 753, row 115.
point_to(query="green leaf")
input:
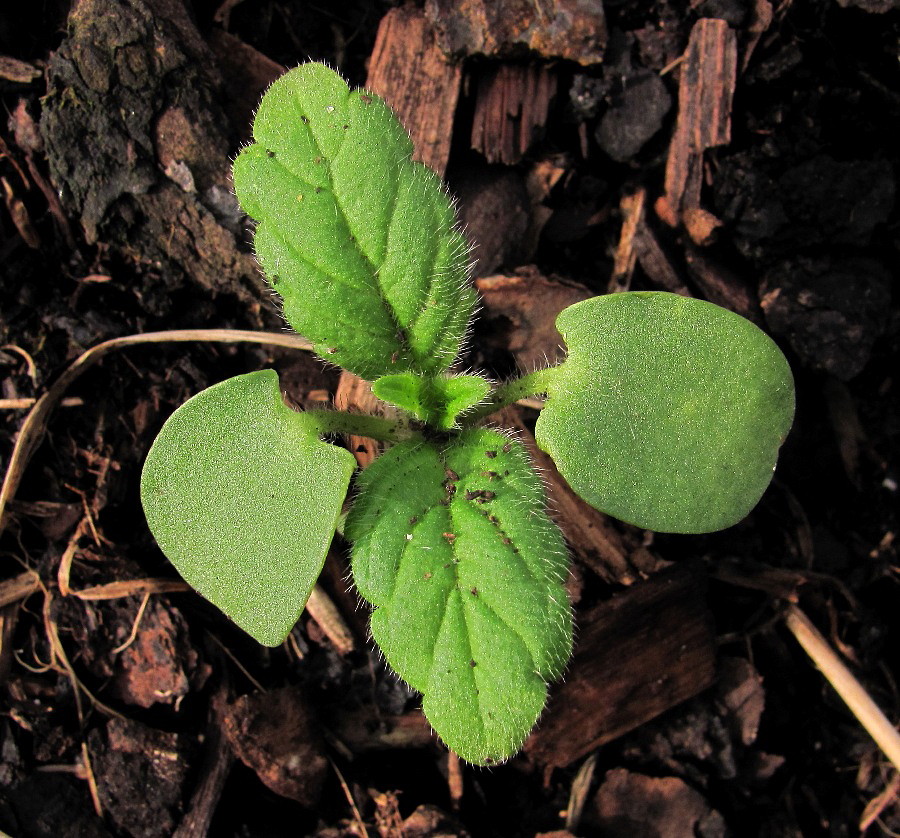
column 360, row 241
column 243, row 498
column 668, row 412
column 454, row 548
column 437, row 401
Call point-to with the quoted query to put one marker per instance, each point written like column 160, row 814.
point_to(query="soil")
column 742, row 151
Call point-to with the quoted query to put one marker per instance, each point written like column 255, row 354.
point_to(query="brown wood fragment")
column 214, row 771
column 629, row 804
column 355, row 395
column 18, row 587
column 412, row 75
column 20, row 216
column 276, row 734
column 247, row 73
column 156, row 667
column 368, row 729
column 722, row 286
column 20, row 72
column 761, row 16
column 642, row 652
column 655, row 263
column 519, row 313
column 511, row 106
column 322, row 609
column 495, row 213
column 701, row 225
column 705, row 94
column 632, row 208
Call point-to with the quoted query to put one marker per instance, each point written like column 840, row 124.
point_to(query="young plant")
column 668, row 413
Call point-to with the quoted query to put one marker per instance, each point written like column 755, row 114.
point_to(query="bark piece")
column 355, row 396
column 629, row 804
column 277, row 735
column 568, row 29
column 642, row 652
column 133, row 93
column 156, row 667
column 214, row 772
column 705, row 94
column 655, row 263
column 140, row 775
column 741, row 694
column 247, row 74
column 519, row 315
column 367, row 728
column 19, row 72
column 631, row 206
column 511, row 106
column 701, row 225
column 722, row 286
column 409, row 71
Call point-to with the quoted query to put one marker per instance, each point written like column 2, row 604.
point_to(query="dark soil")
column 134, row 714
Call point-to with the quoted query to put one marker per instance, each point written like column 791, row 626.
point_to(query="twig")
column 848, row 688
column 28, row 401
column 131, row 587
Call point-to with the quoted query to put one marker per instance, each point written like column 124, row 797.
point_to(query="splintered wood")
column 511, row 109
column 705, row 94
column 409, row 71
column 642, row 652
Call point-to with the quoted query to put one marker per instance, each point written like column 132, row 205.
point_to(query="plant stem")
column 519, row 388
column 374, row 427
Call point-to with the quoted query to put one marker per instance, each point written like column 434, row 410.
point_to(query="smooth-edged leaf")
column 453, row 547
column 243, row 498
column 438, row 401
column 668, row 412
column 360, row 242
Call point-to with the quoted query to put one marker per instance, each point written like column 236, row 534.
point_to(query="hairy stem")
column 374, row 427
column 519, row 388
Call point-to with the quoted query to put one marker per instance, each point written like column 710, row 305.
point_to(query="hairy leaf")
column 437, row 401
column 668, row 412
column 243, row 498
column 360, row 242
column 454, row 548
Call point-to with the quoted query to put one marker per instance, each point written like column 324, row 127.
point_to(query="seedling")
column 667, row 412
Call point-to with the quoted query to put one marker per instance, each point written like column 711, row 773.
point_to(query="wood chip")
column 278, row 736
column 642, row 652
column 705, row 95
column 655, row 263
column 412, row 75
column 722, row 286
column 520, row 311
column 631, row 206
column 21, row 72
column 355, row 395
column 511, row 106
column 629, row 804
